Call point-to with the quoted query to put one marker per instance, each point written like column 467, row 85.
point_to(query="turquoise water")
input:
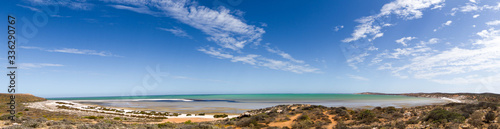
column 238, row 103
column 250, row 97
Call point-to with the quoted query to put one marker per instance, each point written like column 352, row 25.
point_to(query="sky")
column 71, row 48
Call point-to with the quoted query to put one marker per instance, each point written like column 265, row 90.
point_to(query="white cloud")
column 358, row 77
column 73, row 51
column 225, row 27
column 406, row 9
column 77, row 5
column 177, row 32
column 30, row 8
column 337, row 28
column 447, row 23
column 283, row 54
column 475, row 16
column 356, row 60
column 226, row 30
column 493, row 23
column 404, row 40
column 37, row 65
column 372, row 48
column 140, row 9
column 473, row 7
column 484, row 57
column 258, row 60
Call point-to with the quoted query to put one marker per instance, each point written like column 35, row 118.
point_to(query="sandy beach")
column 79, row 109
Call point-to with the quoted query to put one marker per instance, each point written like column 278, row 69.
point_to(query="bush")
column 303, row 117
column 90, row 117
column 493, row 127
column 34, row 123
column 117, row 118
column 166, row 125
column 490, row 116
column 341, row 125
column 476, row 119
column 442, row 116
column 367, row 117
column 390, row 109
column 304, row 124
column 220, row 116
column 189, row 122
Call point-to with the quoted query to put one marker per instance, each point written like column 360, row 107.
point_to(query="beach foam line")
column 452, row 100
column 183, row 100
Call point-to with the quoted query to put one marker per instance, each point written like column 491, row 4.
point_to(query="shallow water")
column 239, row 103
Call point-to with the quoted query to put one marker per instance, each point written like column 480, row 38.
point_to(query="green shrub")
column 166, row 125
column 476, row 119
column 91, row 117
column 189, row 122
column 366, row 114
column 117, row 118
column 220, row 116
column 490, row 116
column 303, row 117
column 390, row 109
column 442, row 116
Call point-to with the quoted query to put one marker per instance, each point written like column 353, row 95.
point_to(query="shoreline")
column 460, row 110
column 96, row 110
column 85, row 108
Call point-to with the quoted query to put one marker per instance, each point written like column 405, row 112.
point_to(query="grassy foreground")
column 480, row 111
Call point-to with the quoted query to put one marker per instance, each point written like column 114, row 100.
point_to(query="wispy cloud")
column 30, row 8
column 356, row 60
column 337, row 28
column 224, row 27
column 73, row 51
column 358, row 77
column 493, row 23
column 447, row 23
column 177, row 32
column 37, row 65
column 483, row 57
column 404, row 40
column 140, row 9
column 474, row 7
column 77, row 5
column 406, row 9
column 282, row 54
column 226, row 30
column 258, row 60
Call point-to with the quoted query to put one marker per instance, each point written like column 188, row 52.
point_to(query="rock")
column 279, row 111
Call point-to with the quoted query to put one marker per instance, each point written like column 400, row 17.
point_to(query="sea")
column 239, row 103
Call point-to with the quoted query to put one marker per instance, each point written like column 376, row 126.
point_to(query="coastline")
column 460, row 110
column 79, row 109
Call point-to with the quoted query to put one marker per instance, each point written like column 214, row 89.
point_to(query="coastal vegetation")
column 479, row 112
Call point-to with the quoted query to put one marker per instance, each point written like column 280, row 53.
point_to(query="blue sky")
column 148, row 47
